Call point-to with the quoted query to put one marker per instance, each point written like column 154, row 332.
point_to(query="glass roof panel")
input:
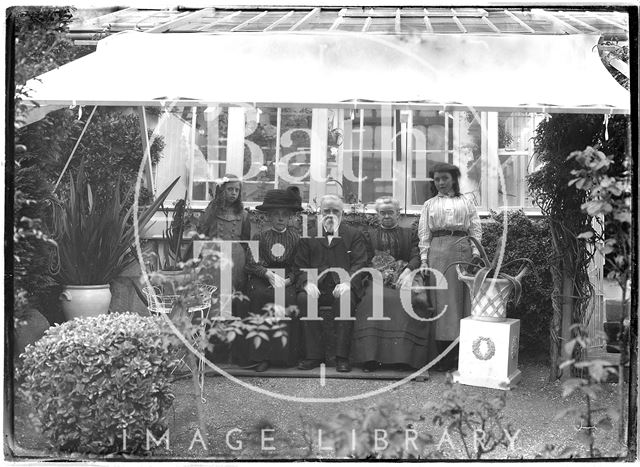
column 540, row 23
column 263, row 22
column 382, row 20
column 351, row 24
column 202, row 22
column 360, row 12
column 321, row 21
column 475, row 25
column 443, row 24
column 231, row 23
column 412, row 25
column 290, row 21
column 505, row 22
column 387, row 25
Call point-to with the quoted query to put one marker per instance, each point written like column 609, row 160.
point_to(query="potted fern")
column 93, row 246
column 491, row 290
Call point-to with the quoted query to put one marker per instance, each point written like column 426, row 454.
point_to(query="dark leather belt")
column 449, row 233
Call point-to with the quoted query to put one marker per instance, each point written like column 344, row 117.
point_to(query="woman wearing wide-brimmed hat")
column 277, row 251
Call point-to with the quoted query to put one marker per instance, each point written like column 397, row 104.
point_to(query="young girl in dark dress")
column 226, row 219
column 277, row 251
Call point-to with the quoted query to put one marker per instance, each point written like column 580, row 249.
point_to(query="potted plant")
column 93, row 246
column 174, row 252
column 490, row 290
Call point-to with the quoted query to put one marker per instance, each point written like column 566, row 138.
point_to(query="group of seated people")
column 397, row 337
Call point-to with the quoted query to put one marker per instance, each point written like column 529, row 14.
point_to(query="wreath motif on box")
column 491, row 348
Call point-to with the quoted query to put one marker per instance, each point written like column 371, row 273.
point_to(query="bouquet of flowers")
column 389, row 267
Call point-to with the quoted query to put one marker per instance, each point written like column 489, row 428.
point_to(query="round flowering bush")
column 89, row 379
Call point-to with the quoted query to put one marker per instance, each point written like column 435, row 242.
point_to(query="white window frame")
column 495, row 156
column 398, row 167
column 401, row 162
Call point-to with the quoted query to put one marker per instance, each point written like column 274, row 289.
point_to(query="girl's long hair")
column 218, row 198
column 217, row 204
column 451, row 169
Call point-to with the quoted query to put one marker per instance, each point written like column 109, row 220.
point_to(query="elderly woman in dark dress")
column 446, row 218
column 402, row 339
column 276, row 251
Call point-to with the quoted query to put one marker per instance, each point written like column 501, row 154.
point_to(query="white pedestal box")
column 488, row 353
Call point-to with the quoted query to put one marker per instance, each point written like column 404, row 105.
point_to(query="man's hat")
column 282, row 199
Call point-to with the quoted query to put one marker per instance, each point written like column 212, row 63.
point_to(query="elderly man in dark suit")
column 340, row 246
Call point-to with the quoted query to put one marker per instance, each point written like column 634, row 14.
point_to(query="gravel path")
column 531, row 407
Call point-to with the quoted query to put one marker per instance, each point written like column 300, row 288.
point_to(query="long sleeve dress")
column 277, row 250
column 448, row 213
column 402, row 339
column 228, row 225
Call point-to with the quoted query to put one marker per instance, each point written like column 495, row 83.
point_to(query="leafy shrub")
column 477, row 419
column 380, row 433
column 526, row 238
column 88, row 379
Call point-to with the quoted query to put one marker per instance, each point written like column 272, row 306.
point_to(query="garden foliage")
column 111, row 145
column 376, row 432
column 88, row 379
column 96, row 244
column 561, row 202
column 526, row 238
column 590, row 417
column 476, row 419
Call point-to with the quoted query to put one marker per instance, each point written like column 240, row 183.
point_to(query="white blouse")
column 447, row 213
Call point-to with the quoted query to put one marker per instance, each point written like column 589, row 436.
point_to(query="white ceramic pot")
column 80, row 301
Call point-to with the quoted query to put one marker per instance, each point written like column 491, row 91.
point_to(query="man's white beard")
column 331, row 223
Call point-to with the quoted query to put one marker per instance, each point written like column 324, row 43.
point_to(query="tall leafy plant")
column 181, row 220
column 95, row 245
column 609, row 201
column 561, row 203
column 485, row 268
column 529, row 238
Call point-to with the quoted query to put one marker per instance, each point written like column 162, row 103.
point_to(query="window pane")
column 174, row 127
column 514, row 132
column 469, row 147
column 295, row 150
column 369, row 150
column 429, row 143
column 259, row 152
column 350, row 157
column 210, row 155
column 511, row 194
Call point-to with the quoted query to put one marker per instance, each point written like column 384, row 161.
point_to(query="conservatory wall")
column 360, row 154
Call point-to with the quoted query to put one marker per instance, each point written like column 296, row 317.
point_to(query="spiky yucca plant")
column 487, row 269
column 94, row 246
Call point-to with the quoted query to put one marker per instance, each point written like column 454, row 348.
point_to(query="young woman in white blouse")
column 444, row 220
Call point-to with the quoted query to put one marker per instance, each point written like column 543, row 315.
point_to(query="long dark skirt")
column 260, row 293
column 442, row 252
column 402, row 339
